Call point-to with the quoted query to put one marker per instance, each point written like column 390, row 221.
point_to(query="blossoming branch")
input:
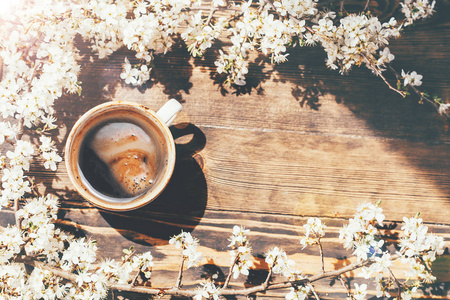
column 66, row 267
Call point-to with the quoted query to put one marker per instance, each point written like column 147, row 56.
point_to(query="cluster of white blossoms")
column 353, row 40
column 207, row 290
column 49, row 153
column 40, row 65
column 134, row 76
column 14, row 181
column 361, row 232
column 279, row 263
column 418, row 249
column 144, row 262
column 261, row 28
column 36, row 236
column 189, row 246
column 380, row 272
column 241, row 255
column 416, row 10
column 298, row 293
column 107, row 25
column 199, row 35
column 356, row 40
column 314, row 231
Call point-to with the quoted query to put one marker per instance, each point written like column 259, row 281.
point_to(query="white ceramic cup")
column 154, row 124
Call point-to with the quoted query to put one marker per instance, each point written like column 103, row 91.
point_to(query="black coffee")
column 120, row 159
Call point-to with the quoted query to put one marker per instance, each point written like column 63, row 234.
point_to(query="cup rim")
column 74, row 140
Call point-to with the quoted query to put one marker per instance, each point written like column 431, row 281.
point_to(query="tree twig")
column 313, row 291
column 344, row 284
column 366, row 6
column 174, row 291
column 378, row 73
column 135, row 278
column 211, row 13
column 416, row 90
column 227, row 280
column 261, row 7
column 399, row 284
column 16, row 209
column 321, row 255
column 180, row 273
column 128, row 257
column 267, row 281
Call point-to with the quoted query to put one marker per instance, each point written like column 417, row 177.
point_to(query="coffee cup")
column 120, row 155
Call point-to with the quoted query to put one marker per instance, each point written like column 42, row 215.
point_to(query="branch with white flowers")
column 68, row 266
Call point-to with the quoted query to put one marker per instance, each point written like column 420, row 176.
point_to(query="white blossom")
column 239, row 236
column 314, row 231
column 417, row 9
column 360, row 233
column 355, row 41
column 200, row 36
column 189, row 246
column 22, row 155
column 144, row 262
column 7, row 131
column 13, row 277
column 14, row 183
column 280, row 264
column 412, row 78
column 298, row 293
column 417, row 242
column 360, row 291
column 80, row 254
column 207, row 290
column 385, row 57
column 51, row 159
column 241, row 255
column 10, row 241
column 444, row 108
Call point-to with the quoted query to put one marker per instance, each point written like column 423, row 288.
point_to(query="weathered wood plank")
column 296, row 173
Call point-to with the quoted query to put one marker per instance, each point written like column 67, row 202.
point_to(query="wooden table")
column 298, row 141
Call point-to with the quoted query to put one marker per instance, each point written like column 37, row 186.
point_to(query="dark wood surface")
column 298, row 141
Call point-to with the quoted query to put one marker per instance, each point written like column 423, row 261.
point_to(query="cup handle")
column 169, row 111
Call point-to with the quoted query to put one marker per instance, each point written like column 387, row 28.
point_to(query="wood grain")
column 298, row 141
